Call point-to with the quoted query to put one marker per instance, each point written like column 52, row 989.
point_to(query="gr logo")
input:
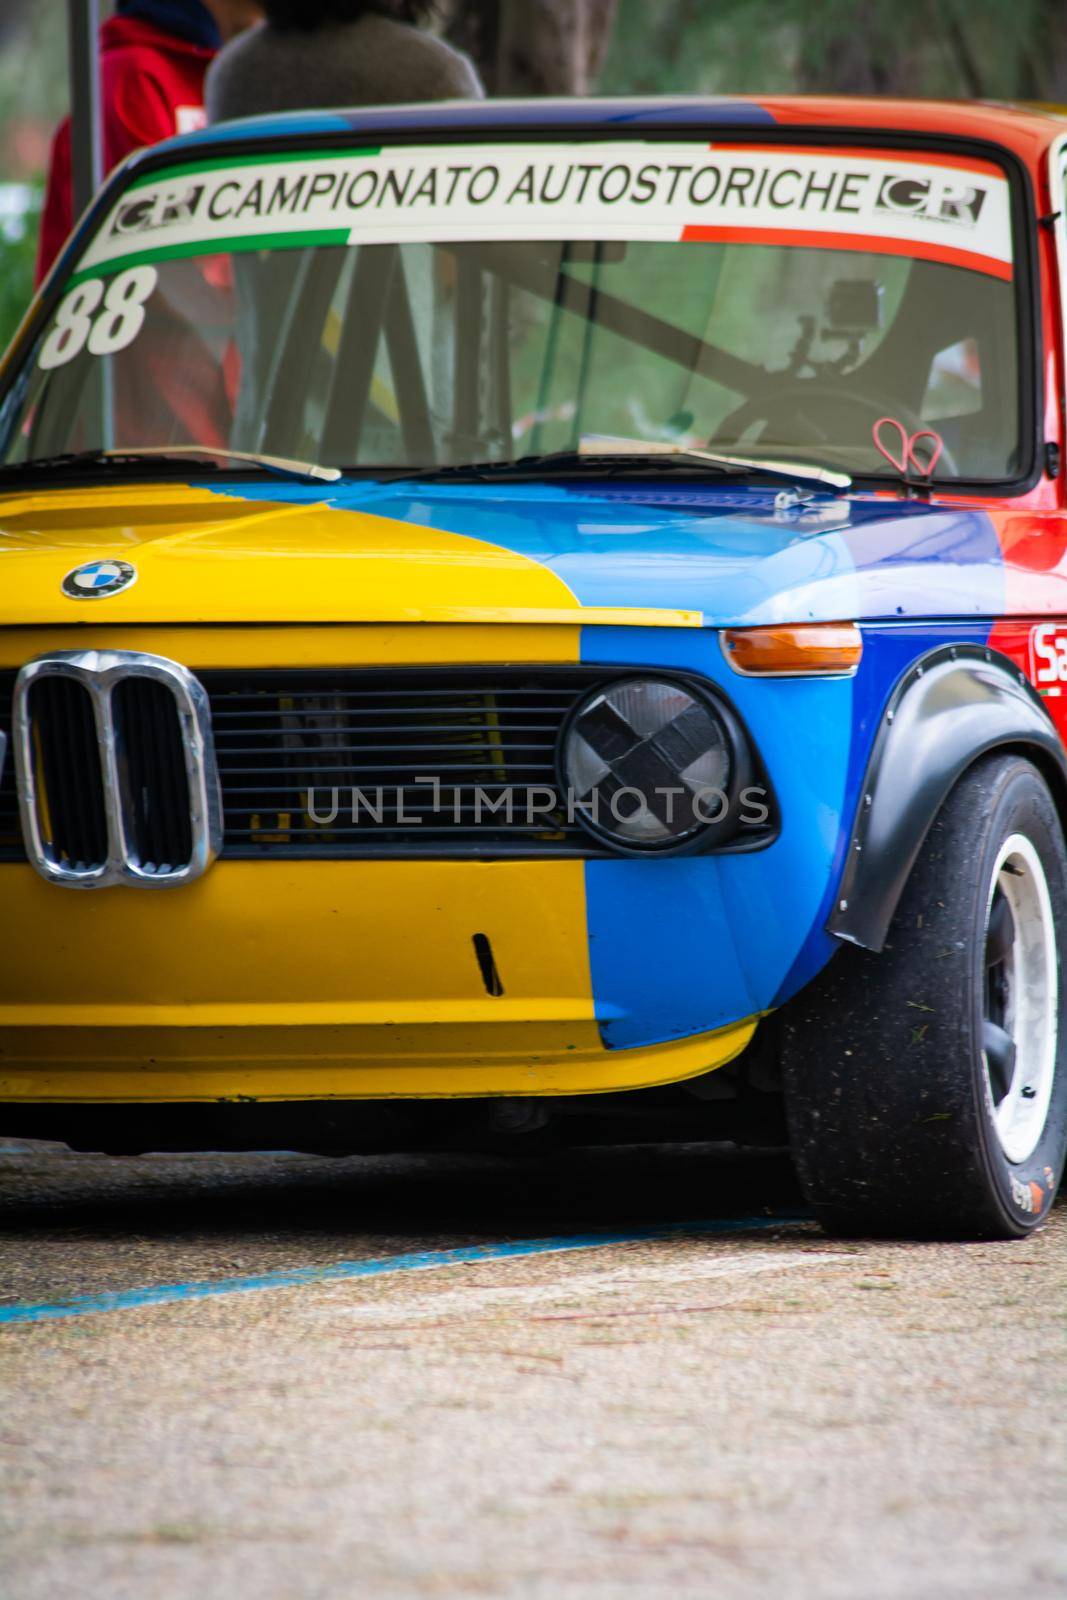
column 159, row 210
column 1048, row 657
column 938, row 199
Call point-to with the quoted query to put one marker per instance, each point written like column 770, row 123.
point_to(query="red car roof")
column 1026, row 130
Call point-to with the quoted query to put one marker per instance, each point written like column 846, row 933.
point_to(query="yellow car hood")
column 203, row 557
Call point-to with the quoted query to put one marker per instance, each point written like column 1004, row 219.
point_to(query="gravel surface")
column 765, row 1412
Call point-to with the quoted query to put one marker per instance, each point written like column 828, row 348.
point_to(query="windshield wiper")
column 78, row 460
column 172, row 455
column 795, row 471
column 283, row 465
column 625, row 458
column 553, row 462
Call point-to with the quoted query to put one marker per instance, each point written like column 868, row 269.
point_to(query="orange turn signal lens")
column 803, row 650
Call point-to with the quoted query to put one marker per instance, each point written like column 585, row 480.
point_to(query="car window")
column 482, row 334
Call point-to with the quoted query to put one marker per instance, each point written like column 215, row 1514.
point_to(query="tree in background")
column 1001, row 49
column 978, row 49
column 33, row 96
column 534, row 47
column 974, row 49
column 12, row 18
column 33, row 82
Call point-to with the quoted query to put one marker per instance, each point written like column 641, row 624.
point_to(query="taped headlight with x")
column 646, row 763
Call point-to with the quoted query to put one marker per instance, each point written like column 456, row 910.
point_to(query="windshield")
column 459, row 304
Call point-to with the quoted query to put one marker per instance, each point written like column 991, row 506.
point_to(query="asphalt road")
column 604, row 1373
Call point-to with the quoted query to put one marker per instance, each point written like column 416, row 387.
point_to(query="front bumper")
column 315, row 980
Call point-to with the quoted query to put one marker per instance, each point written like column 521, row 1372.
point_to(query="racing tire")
column 926, row 1085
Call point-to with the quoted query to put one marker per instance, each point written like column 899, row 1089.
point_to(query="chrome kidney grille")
column 115, row 770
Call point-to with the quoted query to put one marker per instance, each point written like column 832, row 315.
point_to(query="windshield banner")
column 925, row 205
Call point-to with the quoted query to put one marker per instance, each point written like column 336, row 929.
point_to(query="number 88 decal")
column 105, row 322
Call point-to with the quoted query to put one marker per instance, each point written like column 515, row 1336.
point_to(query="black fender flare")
column 948, row 709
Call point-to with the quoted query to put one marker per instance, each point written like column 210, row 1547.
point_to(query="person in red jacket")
column 153, row 56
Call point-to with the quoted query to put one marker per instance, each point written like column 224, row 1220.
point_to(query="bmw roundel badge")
column 98, row 579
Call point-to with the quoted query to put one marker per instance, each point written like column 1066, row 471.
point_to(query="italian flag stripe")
column 210, row 247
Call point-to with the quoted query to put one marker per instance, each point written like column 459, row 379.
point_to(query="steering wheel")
column 791, row 406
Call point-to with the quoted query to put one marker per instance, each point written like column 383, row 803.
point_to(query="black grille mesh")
column 152, row 763
column 280, row 736
column 70, row 788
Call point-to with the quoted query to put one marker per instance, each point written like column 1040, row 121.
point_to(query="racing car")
column 548, row 621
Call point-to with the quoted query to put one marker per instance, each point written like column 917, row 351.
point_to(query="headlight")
column 648, row 764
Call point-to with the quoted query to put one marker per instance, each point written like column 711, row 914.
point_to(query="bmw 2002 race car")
column 532, row 621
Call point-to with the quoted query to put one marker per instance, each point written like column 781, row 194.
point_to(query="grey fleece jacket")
column 371, row 62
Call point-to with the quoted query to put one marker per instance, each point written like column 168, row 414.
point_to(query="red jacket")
column 152, row 86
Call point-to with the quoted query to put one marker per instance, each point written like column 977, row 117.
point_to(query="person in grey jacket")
column 313, row 53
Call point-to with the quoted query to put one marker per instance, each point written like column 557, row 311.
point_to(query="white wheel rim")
column 1021, row 998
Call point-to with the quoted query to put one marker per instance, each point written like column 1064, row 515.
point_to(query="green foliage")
column 33, row 61
column 993, row 49
column 690, row 47
column 16, row 275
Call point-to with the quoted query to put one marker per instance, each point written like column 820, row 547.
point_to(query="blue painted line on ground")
column 416, row 1261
